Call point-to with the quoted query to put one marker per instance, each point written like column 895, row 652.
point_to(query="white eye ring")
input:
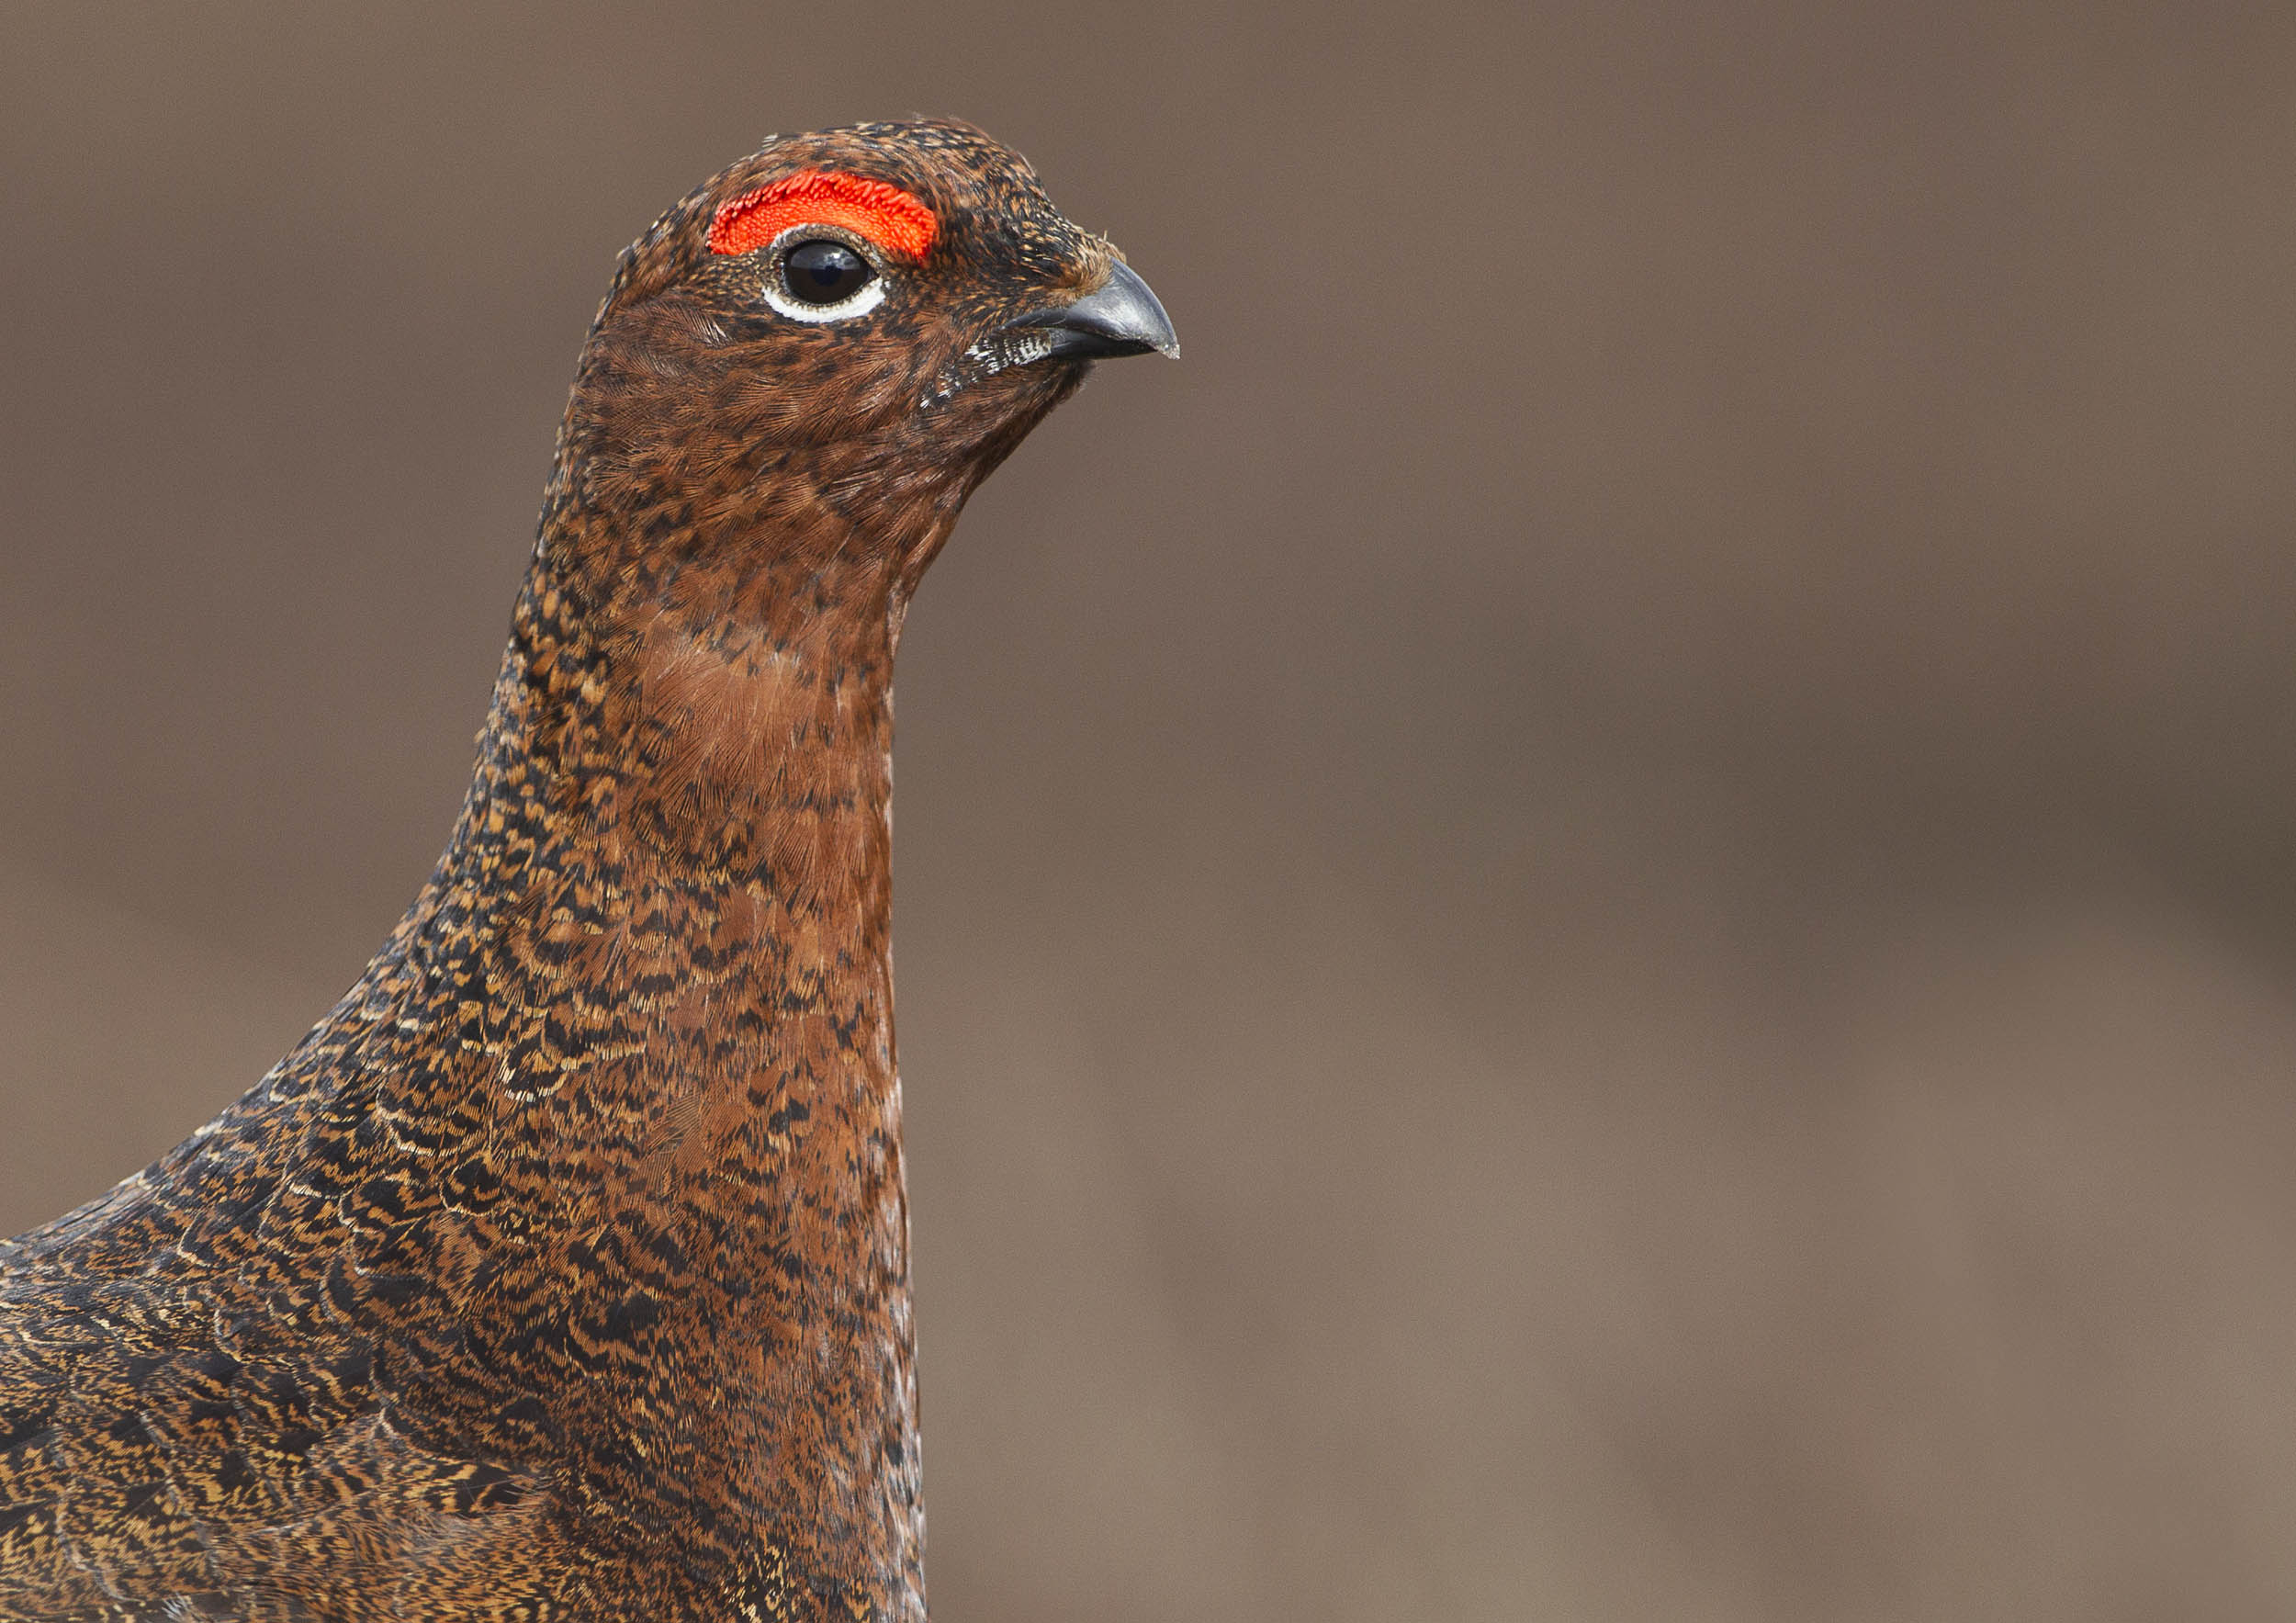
column 775, row 289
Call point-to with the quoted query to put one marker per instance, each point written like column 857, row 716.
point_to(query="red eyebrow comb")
column 886, row 215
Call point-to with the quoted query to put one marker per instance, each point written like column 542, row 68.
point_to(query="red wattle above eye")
column 886, row 215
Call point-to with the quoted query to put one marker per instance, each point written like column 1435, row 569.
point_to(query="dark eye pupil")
column 824, row 272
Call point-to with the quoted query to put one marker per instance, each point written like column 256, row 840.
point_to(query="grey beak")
column 1123, row 317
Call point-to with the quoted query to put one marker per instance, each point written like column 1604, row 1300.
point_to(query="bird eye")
column 824, row 272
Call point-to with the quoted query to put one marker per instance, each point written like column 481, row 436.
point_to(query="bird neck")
column 671, row 894
column 643, row 760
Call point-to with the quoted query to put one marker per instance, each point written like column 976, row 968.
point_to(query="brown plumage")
column 562, row 1272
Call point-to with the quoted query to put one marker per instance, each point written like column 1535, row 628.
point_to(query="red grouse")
column 562, row 1272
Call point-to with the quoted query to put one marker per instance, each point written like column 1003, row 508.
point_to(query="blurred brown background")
column 1598, row 921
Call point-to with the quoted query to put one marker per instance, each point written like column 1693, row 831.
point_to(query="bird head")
column 829, row 346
